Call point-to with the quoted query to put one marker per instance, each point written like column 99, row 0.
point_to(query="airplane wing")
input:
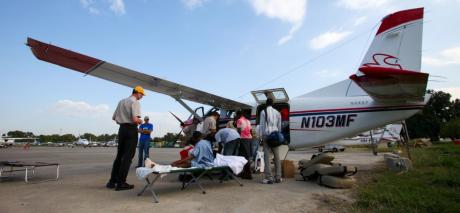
column 124, row 76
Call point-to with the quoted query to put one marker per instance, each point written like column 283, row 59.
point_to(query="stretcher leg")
column 196, row 180
column 149, row 185
column 230, row 173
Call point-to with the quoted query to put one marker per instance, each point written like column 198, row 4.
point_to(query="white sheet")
column 143, row 172
column 236, row 163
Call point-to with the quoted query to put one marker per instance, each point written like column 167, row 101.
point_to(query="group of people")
column 237, row 138
column 203, row 140
column 230, row 140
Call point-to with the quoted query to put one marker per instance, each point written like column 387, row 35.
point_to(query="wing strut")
column 188, row 108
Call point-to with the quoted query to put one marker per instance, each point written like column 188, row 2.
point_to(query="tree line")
column 54, row 138
column 439, row 118
column 60, row 138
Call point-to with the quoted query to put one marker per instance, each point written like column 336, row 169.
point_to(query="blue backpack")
column 275, row 138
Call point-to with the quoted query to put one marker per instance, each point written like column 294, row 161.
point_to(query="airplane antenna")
column 309, row 61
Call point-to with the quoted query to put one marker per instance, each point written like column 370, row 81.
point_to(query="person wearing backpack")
column 270, row 122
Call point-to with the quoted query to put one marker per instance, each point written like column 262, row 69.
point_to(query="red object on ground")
column 457, row 141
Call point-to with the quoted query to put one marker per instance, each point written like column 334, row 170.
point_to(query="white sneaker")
column 267, row 181
column 279, row 180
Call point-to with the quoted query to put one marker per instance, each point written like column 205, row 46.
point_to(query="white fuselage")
column 317, row 121
column 82, row 142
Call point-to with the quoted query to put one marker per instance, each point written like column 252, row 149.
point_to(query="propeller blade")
column 180, row 121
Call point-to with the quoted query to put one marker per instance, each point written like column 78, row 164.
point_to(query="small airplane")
column 387, row 87
column 389, row 133
column 82, row 142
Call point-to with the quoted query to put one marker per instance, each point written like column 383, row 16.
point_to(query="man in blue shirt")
column 144, row 141
column 201, row 156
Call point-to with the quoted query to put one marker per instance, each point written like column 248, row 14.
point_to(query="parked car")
column 331, row 148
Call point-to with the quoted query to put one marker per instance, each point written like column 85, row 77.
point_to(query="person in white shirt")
column 128, row 116
column 270, row 121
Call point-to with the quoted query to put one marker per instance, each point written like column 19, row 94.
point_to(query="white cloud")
column 94, row 11
column 292, row 11
column 117, row 6
column 446, row 1
column 446, row 57
column 192, row 4
column 90, row 5
column 454, row 91
column 327, row 39
column 360, row 20
column 80, row 108
column 363, row 4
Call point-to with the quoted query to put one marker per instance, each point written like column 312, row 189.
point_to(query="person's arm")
column 136, row 113
column 238, row 126
column 149, row 130
column 278, row 123
column 115, row 112
column 262, row 123
column 218, row 136
column 178, row 162
column 214, row 126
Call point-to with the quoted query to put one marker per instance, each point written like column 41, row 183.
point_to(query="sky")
column 225, row 47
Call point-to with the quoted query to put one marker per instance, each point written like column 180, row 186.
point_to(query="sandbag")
column 390, row 155
column 336, row 182
column 323, row 158
column 311, row 172
column 335, row 164
column 398, row 164
column 338, row 170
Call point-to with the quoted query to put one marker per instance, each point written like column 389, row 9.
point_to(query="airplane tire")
column 338, row 171
column 313, row 156
column 336, row 182
column 311, row 172
column 334, row 150
column 323, row 158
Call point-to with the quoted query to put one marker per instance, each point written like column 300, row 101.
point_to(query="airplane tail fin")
column 390, row 70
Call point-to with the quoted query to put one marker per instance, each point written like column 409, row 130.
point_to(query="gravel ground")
column 84, row 172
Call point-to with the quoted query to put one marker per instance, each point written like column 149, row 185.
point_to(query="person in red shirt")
column 243, row 126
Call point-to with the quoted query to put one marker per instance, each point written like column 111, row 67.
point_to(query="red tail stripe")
column 399, row 18
column 386, row 71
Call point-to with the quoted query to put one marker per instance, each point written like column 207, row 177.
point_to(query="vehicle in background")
column 112, row 143
column 331, row 148
column 36, row 143
column 6, row 141
column 94, row 144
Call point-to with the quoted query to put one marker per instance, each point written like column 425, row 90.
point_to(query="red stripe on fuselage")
column 399, row 18
column 309, row 130
column 357, row 108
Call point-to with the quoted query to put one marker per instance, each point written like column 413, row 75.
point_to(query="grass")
column 432, row 186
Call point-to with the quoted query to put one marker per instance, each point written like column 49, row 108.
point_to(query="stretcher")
column 15, row 166
column 195, row 173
